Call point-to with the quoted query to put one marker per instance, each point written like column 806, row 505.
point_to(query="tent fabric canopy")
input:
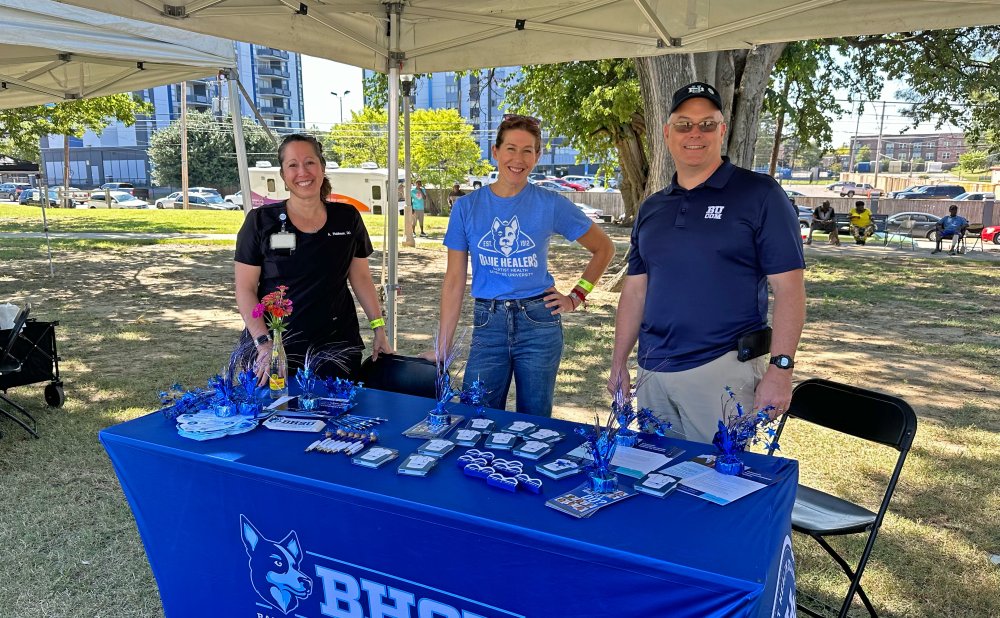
column 447, row 35
column 51, row 52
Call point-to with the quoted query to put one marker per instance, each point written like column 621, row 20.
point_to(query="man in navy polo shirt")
column 703, row 253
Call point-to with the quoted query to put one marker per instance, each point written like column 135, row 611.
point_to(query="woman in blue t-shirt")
column 505, row 228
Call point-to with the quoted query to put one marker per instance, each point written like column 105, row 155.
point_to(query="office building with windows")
column 478, row 96
column 272, row 77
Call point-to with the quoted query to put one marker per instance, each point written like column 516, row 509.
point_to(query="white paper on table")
column 280, row 401
column 637, row 462
column 725, row 487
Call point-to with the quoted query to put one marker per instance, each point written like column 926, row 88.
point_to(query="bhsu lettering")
column 342, row 598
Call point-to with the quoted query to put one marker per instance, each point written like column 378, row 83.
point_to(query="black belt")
column 493, row 302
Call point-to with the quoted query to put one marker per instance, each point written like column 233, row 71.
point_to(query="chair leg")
column 855, row 579
column 24, row 425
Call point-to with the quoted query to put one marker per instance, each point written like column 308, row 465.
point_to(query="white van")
column 366, row 187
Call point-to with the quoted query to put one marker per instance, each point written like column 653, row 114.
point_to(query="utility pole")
column 184, row 146
column 878, row 144
column 857, row 124
column 406, row 85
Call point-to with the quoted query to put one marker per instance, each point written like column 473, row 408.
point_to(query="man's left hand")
column 774, row 389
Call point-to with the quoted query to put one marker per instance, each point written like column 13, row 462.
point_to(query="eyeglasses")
column 705, row 126
column 519, row 118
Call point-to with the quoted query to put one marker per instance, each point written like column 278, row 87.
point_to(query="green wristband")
column 585, row 285
column 376, row 323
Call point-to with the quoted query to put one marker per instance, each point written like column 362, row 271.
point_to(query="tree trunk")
column 634, row 166
column 741, row 76
column 779, row 125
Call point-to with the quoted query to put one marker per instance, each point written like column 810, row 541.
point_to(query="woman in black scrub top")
column 315, row 248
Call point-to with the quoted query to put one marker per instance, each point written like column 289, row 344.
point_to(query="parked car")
column 208, row 190
column 594, row 214
column 118, row 199
column 850, row 189
column 127, row 187
column 235, row 198
column 170, row 200
column 11, row 190
column 805, row 216
column 991, row 233
column 585, row 181
column 790, row 193
column 910, row 189
column 206, row 202
column 566, row 183
column 933, row 192
column 552, row 186
column 33, row 196
column 974, row 196
column 924, row 223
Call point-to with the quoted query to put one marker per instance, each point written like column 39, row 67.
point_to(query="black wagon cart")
column 29, row 356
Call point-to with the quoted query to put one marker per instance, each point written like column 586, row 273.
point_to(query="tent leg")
column 392, row 209
column 241, row 147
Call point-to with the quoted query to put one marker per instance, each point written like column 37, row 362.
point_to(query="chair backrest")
column 400, row 374
column 6, row 357
column 881, row 222
column 909, row 224
column 855, row 411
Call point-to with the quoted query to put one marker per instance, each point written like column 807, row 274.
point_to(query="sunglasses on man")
column 705, row 126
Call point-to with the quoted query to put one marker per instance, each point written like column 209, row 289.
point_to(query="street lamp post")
column 340, row 98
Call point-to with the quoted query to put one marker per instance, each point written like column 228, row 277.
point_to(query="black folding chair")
column 864, row 414
column 11, row 365
column 409, row 375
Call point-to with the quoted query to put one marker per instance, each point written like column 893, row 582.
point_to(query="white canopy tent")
column 420, row 36
column 52, row 52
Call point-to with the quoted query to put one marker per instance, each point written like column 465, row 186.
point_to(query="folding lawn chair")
column 867, row 415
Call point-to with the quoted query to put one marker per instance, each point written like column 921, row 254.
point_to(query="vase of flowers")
column 274, row 307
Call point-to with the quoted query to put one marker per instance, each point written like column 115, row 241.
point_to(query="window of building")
column 271, row 187
column 945, row 156
column 451, row 94
column 945, row 143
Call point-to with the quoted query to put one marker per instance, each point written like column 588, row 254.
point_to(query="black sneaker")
column 935, row 251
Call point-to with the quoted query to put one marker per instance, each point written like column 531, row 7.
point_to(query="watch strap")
column 259, row 341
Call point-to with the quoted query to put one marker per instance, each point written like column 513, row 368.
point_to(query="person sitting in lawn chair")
column 953, row 226
column 824, row 220
column 862, row 226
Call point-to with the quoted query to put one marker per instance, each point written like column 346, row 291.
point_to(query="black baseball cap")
column 694, row 91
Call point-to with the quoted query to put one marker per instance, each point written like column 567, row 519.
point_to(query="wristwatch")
column 259, row 341
column 782, row 361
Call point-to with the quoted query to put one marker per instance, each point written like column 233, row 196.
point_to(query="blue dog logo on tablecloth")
column 274, row 568
column 784, row 594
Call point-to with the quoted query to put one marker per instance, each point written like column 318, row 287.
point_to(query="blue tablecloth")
column 253, row 526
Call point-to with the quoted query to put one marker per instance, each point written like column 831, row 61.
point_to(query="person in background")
column 824, row 219
column 862, row 227
column 315, row 248
column 456, row 193
column 505, row 228
column 418, row 199
column 704, row 251
column 953, row 227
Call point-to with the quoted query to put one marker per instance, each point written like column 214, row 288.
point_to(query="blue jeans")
column 518, row 339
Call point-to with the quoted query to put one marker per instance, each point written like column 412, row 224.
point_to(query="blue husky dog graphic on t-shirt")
column 506, row 238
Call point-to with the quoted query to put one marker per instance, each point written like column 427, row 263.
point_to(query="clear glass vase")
column 277, row 375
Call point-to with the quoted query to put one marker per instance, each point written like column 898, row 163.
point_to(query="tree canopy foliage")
column 211, row 150
column 442, row 152
column 21, row 128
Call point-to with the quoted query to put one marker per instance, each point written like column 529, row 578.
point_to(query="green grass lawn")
column 137, row 316
column 17, row 218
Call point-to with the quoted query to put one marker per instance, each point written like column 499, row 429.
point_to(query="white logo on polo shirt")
column 714, row 212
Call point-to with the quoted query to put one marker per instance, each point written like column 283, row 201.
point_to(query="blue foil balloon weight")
column 603, row 484
column 738, row 430
column 306, row 379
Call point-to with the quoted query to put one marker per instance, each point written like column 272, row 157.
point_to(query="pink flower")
column 258, row 310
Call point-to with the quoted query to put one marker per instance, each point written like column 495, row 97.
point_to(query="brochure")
column 583, row 501
column 699, row 478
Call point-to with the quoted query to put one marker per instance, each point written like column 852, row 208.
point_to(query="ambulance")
column 366, row 187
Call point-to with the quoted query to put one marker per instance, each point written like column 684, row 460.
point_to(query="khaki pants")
column 692, row 400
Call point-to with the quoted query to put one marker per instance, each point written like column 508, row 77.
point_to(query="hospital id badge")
column 283, row 241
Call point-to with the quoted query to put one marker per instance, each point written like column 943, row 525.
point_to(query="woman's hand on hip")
column 557, row 302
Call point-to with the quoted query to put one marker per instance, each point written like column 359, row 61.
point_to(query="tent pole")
column 392, row 208
column 241, row 146
column 43, row 199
